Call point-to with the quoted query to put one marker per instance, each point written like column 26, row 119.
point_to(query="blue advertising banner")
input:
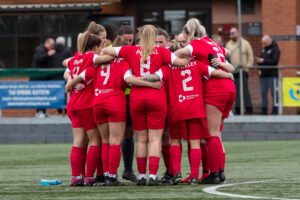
column 32, row 94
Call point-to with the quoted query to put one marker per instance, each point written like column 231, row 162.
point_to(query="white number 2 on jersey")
column 145, row 68
column 184, row 81
column 106, row 74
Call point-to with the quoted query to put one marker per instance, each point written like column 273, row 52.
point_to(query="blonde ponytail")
column 147, row 36
column 194, row 29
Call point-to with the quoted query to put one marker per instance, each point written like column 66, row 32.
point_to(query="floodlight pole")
column 241, row 57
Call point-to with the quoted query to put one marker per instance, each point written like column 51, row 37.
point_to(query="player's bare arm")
column 226, row 66
column 222, row 74
column 182, row 53
column 104, row 59
column 109, row 51
column 139, row 82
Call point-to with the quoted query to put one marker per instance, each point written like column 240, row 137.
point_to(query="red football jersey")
column 159, row 57
column 109, row 84
column 81, row 99
column 201, row 48
column 185, row 93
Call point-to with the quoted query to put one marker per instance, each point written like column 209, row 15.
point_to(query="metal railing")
column 277, row 85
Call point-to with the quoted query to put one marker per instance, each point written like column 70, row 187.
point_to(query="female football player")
column 148, row 107
column 219, row 94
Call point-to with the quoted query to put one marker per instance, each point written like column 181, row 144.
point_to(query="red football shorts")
column 190, row 129
column 223, row 102
column 148, row 114
column 82, row 118
column 102, row 115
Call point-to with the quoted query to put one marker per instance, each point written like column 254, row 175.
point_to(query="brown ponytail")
column 95, row 28
column 87, row 41
column 147, row 36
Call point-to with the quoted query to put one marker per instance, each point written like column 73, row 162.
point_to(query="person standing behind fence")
column 247, row 60
column 42, row 58
column 61, row 53
column 269, row 55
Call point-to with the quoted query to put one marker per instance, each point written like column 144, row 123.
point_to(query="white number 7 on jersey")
column 106, row 74
column 184, row 81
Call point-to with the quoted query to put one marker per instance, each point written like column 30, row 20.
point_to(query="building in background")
column 25, row 23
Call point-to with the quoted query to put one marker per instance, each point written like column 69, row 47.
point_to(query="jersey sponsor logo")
column 98, row 92
column 182, row 98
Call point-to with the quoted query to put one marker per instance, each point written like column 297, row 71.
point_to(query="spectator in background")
column 217, row 39
column 182, row 40
column 61, row 53
column 247, row 60
column 269, row 55
column 162, row 38
column 2, row 65
column 42, row 58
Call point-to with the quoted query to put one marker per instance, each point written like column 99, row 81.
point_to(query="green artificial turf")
column 22, row 166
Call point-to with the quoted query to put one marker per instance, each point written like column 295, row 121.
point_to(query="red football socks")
column 204, row 157
column 153, row 165
column 175, row 154
column 104, row 156
column 84, row 151
column 76, row 158
column 100, row 166
column 141, row 165
column 166, row 156
column 195, row 157
column 92, row 160
column 114, row 158
column 214, row 153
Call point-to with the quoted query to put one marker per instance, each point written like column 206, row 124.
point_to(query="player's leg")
column 166, row 141
column 128, row 148
column 104, row 132
column 93, row 156
column 156, row 116
column 117, row 123
column 154, row 136
column 177, row 130
column 195, row 133
column 214, row 121
column 77, row 151
column 77, row 156
column 204, row 150
column 139, row 125
column 141, row 155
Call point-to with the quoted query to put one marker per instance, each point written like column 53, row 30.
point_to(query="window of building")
column 22, row 34
column 247, row 6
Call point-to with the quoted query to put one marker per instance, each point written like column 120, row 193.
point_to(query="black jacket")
column 41, row 59
column 61, row 53
column 271, row 55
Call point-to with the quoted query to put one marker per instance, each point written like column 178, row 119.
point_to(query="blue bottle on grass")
column 50, row 182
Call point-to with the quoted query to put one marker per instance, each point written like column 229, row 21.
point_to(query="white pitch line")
column 213, row 190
